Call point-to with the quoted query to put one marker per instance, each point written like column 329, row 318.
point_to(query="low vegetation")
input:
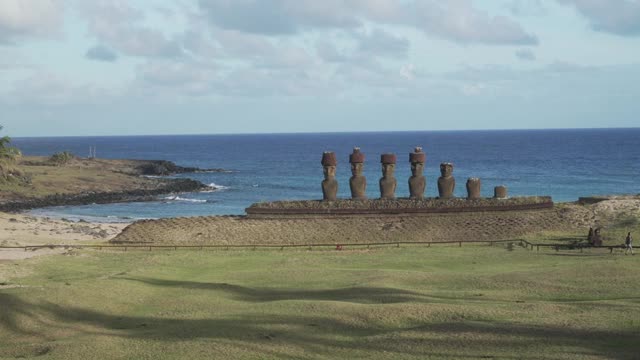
column 63, row 174
column 402, row 303
column 61, row 158
column 9, row 173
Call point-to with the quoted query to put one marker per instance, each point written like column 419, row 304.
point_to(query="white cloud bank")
column 29, row 18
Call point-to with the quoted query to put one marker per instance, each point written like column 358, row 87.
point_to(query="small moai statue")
column 417, row 181
column 473, row 188
column 388, row 181
column 500, row 192
column 329, row 184
column 357, row 182
column 446, row 182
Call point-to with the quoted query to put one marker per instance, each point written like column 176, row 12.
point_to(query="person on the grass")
column 627, row 243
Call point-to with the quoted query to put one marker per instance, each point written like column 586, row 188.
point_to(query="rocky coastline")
column 166, row 168
column 170, row 186
column 95, row 181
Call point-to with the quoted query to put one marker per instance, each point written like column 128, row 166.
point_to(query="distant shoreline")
column 94, row 181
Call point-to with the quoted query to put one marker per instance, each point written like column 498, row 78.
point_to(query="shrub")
column 8, row 157
column 61, row 158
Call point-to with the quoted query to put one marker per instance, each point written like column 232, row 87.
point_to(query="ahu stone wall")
column 241, row 230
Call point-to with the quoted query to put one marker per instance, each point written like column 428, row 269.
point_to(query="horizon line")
column 323, row 132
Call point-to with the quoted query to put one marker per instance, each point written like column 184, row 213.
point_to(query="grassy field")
column 401, row 303
column 78, row 176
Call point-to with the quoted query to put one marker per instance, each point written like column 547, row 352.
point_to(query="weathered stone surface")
column 388, row 181
column 356, row 156
column 417, row 181
column 500, row 192
column 399, row 206
column 446, row 181
column 329, row 184
column 357, row 182
column 473, row 188
column 323, row 229
column 329, row 159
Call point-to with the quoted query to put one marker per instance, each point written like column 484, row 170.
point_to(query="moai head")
column 357, row 161
column 417, row 159
column 446, row 169
column 388, row 164
column 329, row 163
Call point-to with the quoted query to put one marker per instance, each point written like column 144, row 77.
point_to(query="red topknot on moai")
column 329, row 184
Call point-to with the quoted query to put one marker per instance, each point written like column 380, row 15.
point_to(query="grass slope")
column 96, row 175
column 400, row 303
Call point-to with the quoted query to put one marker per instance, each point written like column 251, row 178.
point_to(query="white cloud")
column 116, row 24
column 621, row 17
column 328, row 52
column 278, row 17
column 526, row 7
column 408, row 71
column 456, row 20
column 43, row 87
column 29, row 18
column 473, row 89
column 380, row 42
column 460, row 21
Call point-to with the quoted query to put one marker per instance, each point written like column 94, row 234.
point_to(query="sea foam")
column 178, row 198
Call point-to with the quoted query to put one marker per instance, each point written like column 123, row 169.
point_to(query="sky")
column 99, row 67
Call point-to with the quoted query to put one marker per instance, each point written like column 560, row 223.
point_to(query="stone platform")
column 401, row 206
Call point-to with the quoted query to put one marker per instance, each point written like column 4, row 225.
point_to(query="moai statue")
column 329, row 184
column 388, row 181
column 500, row 192
column 417, row 181
column 446, row 182
column 473, row 188
column 357, row 182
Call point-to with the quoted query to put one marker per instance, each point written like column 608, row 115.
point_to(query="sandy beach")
column 21, row 230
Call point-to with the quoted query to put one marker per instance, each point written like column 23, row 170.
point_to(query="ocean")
column 564, row 164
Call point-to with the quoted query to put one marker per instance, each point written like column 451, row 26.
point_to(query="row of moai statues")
column 388, row 182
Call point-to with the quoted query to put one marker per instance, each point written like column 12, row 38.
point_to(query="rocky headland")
column 93, row 181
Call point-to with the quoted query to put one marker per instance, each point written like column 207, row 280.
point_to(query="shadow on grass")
column 577, row 253
column 276, row 335
column 361, row 295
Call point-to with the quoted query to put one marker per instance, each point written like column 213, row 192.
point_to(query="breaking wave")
column 178, row 198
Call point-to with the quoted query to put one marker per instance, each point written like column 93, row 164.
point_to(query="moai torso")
column 330, row 188
column 473, row 188
column 357, row 182
column 417, row 181
column 446, row 182
column 500, row 192
column 388, row 181
column 329, row 184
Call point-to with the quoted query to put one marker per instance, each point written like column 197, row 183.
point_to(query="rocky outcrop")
column 165, row 168
column 168, row 186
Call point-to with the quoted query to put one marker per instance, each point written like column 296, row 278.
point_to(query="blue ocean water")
column 565, row 164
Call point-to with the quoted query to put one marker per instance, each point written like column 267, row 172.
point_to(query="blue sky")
column 80, row 67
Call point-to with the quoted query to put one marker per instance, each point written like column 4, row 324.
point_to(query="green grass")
column 400, row 303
